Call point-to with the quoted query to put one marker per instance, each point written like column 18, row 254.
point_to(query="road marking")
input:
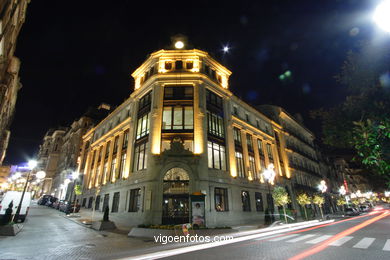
column 364, row 243
column 300, row 238
column 341, row 241
column 318, row 239
column 387, row 246
column 284, row 237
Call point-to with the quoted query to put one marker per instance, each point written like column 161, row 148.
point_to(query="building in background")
column 5, row 171
column 183, row 136
column 12, row 17
column 48, row 156
column 70, row 150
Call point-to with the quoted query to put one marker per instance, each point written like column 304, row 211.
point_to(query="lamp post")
column 41, row 174
column 269, row 176
column 75, row 176
column 342, row 192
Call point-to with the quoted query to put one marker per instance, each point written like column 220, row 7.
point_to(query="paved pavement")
column 47, row 234
column 369, row 242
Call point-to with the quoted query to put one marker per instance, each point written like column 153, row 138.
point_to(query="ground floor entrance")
column 175, row 204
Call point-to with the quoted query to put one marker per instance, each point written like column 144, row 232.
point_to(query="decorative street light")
column 269, row 175
column 381, row 15
column 322, row 186
column 39, row 175
column 343, row 191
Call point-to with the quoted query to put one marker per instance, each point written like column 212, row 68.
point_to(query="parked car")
column 364, row 208
column 351, row 212
column 15, row 197
column 44, row 199
column 51, row 201
column 68, row 207
column 56, row 204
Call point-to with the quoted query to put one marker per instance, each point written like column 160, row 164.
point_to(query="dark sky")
column 77, row 54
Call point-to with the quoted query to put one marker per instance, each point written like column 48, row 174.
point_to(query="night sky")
column 77, row 54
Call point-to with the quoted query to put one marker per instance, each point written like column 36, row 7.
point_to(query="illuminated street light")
column 381, row 15
column 179, row 45
column 269, row 175
column 75, row 175
column 342, row 190
column 32, row 164
column 322, row 186
column 41, row 174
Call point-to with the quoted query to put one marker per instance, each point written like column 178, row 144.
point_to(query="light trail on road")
column 318, row 248
column 310, row 228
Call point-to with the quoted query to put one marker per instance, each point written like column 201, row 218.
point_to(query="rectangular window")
column 116, row 145
column 216, row 156
column 97, row 202
column 246, row 203
column 90, row 201
column 107, row 150
column 240, row 165
column 144, row 103
column 105, row 201
column 259, row 201
column 215, row 125
column 178, row 118
column 252, row 167
column 178, row 64
column 113, row 168
column 237, row 136
column 189, row 65
column 143, row 126
column 235, row 111
column 249, row 142
column 122, row 167
column 247, row 118
column 168, row 65
column 269, row 151
column 125, row 139
column 179, row 93
column 213, row 100
column 221, row 199
column 104, row 174
column 115, row 202
column 140, row 156
column 134, row 202
column 260, row 147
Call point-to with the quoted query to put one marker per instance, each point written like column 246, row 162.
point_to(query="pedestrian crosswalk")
column 355, row 242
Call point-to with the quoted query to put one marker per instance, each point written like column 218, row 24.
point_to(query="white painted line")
column 183, row 250
column 318, row 239
column 300, row 238
column 387, row 246
column 364, row 243
column 283, row 237
column 341, row 241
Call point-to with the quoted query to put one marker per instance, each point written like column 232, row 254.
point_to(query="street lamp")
column 32, row 164
column 269, row 175
column 322, row 186
column 381, row 15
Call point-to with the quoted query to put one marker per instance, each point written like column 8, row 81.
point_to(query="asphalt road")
column 348, row 239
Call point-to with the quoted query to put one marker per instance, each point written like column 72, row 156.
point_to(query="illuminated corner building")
column 12, row 17
column 181, row 132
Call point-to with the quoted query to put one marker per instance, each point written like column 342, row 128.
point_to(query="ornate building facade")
column 183, row 133
column 12, row 17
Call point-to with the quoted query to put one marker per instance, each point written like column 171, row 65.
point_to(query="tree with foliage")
column 341, row 202
column 319, row 201
column 362, row 121
column 303, row 199
column 281, row 198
